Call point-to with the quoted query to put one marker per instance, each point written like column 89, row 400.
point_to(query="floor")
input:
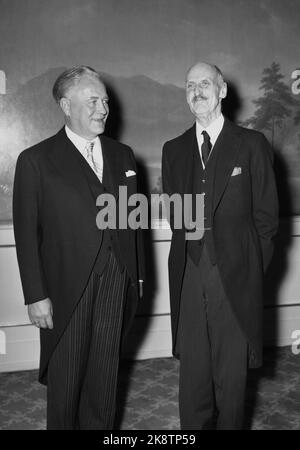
column 147, row 396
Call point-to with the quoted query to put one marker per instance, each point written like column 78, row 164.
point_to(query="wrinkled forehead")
column 202, row 72
column 88, row 85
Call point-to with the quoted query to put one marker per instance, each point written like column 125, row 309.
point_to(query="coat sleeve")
column 264, row 194
column 26, row 195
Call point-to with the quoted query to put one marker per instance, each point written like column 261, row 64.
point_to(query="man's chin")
column 99, row 129
column 200, row 111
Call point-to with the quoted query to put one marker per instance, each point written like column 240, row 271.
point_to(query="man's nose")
column 197, row 89
column 101, row 107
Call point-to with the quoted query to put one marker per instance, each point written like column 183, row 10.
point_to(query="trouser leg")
column 229, row 354
column 82, row 372
column 66, row 369
column 196, row 401
column 97, row 400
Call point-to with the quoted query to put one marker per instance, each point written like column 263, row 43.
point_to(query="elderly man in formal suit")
column 79, row 281
column 216, row 280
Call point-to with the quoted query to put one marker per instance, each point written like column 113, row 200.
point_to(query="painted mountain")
column 144, row 114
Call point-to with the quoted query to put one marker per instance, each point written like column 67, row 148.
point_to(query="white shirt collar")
column 214, row 129
column 81, row 145
column 78, row 141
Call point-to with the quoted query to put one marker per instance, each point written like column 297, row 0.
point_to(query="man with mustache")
column 79, row 282
column 216, row 280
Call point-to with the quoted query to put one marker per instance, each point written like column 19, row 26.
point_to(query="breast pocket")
column 239, row 179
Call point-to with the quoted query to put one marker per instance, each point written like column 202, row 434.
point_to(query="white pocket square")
column 130, row 173
column 236, row 171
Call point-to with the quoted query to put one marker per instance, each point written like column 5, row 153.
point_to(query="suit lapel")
column 65, row 158
column 113, row 175
column 226, row 147
column 184, row 161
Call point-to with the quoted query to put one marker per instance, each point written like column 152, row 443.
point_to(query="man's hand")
column 40, row 313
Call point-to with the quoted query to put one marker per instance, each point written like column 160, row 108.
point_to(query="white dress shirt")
column 213, row 130
column 81, row 145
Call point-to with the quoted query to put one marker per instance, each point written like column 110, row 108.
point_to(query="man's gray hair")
column 219, row 72
column 69, row 78
column 220, row 75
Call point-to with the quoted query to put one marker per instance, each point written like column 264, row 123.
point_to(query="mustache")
column 199, row 97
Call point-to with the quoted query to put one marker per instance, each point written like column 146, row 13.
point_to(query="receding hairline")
column 71, row 77
column 82, row 78
column 217, row 70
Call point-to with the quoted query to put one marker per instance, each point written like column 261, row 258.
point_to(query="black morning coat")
column 244, row 221
column 57, row 239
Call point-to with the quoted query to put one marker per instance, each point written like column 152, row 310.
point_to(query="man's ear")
column 64, row 103
column 223, row 90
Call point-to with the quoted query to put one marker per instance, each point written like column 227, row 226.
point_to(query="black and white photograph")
column 150, row 216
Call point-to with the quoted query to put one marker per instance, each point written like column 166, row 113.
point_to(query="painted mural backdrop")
column 143, row 49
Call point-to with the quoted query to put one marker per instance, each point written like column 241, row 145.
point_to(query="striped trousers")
column 83, row 369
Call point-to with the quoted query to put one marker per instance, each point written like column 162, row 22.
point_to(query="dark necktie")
column 205, row 147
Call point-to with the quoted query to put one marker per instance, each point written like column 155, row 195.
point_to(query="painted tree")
column 274, row 105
